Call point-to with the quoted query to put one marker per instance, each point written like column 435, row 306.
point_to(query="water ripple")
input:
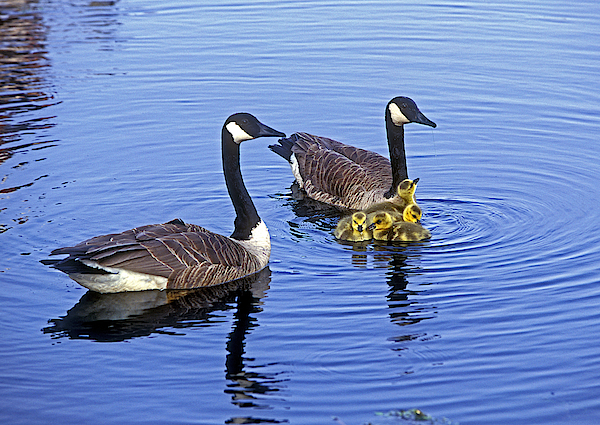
column 25, row 95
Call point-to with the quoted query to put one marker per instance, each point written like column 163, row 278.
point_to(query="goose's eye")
column 404, row 105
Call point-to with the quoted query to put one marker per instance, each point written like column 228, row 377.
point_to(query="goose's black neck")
column 246, row 215
column 395, row 135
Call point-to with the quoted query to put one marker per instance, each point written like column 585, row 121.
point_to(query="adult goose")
column 176, row 255
column 349, row 177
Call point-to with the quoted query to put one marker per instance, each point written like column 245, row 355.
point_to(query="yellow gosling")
column 407, row 189
column 386, row 229
column 353, row 228
column 412, row 213
column 396, row 205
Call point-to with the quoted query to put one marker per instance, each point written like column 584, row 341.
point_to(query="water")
column 111, row 115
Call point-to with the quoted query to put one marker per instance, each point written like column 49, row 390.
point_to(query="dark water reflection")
column 23, row 67
column 24, row 92
column 121, row 317
column 405, row 311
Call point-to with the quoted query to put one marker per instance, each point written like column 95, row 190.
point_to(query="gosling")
column 396, row 205
column 412, row 213
column 385, row 229
column 353, row 228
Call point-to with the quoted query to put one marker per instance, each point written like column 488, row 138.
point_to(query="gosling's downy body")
column 385, row 229
column 353, row 228
column 412, row 213
column 405, row 195
column 346, row 176
column 176, row 255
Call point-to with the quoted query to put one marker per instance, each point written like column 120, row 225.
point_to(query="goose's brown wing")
column 188, row 255
column 376, row 166
column 340, row 174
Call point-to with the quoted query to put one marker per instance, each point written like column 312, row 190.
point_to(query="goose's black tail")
column 69, row 266
column 284, row 148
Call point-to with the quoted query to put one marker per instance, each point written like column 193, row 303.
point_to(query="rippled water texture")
column 110, row 116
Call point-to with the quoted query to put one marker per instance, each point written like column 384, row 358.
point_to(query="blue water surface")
column 110, row 118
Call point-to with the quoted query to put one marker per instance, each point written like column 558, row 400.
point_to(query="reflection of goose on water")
column 386, row 229
column 126, row 315
column 176, row 255
column 353, row 228
column 350, row 177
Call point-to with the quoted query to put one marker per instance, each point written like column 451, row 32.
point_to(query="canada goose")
column 353, row 228
column 176, row 255
column 350, row 177
column 385, row 229
column 396, row 205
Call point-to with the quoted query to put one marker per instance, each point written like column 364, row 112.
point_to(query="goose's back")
column 340, row 174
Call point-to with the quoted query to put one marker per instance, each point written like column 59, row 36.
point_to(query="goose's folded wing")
column 339, row 174
column 186, row 254
column 377, row 166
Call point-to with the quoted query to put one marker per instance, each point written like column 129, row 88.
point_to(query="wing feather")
column 188, row 255
column 340, row 174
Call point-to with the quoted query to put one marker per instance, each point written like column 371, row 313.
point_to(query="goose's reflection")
column 404, row 305
column 322, row 216
column 245, row 385
column 303, row 206
column 126, row 315
column 122, row 316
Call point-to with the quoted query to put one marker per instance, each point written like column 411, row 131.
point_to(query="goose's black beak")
column 371, row 226
column 266, row 131
column 422, row 119
column 415, row 181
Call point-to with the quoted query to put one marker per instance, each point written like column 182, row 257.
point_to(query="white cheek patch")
column 237, row 133
column 398, row 117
